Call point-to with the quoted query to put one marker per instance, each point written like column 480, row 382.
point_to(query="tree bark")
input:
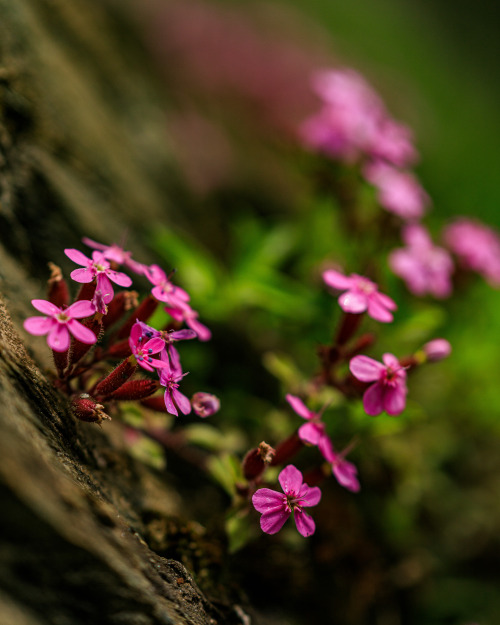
column 84, row 527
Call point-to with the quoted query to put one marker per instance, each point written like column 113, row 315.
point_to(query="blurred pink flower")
column 277, row 507
column 361, row 295
column 389, row 389
column 345, row 472
column 60, row 323
column 477, row 247
column 437, row 349
column 116, row 254
column 399, row 192
column 424, row 267
column 205, row 404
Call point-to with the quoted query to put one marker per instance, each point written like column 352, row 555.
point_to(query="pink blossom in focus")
column 424, row 267
column 361, row 295
column 477, row 247
column 143, row 350
column 164, row 290
column 399, row 192
column 117, row 254
column 276, row 507
column 437, row 349
column 312, row 431
column 60, row 323
column 344, row 471
column 99, row 268
column 389, row 389
column 205, row 404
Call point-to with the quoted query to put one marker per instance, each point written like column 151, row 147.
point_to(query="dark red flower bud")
column 120, row 350
column 61, row 361
column 156, row 403
column 122, row 302
column 135, row 389
column 58, row 292
column 86, row 409
column 116, row 378
column 256, row 460
column 86, row 291
column 142, row 313
column 78, row 349
column 287, row 449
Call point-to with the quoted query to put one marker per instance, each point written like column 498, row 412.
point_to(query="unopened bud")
column 156, row 403
column 116, row 378
column 120, row 349
column 205, row 404
column 119, row 305
column 142, row 313
column 256, row 460
column 438, row 349
column 78, row 349
column 135, row 389
column 58, row 292
column 86, row 409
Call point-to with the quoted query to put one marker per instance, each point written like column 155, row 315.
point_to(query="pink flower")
column 277, row 507
column 345, row 472
column 314, row 430
column 477, row 247
column 143, row 350
column 118, row 255
column 60, row 322
column 164, row 290
column 399, row 192
column 170, row 377
column 393, row 142
column 437, row 349
column 389, row 389
column 205, row 404
column 361, row 295
column 99, row 268
column 425, row 267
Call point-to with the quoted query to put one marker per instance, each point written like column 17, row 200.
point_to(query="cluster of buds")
column 115, row 326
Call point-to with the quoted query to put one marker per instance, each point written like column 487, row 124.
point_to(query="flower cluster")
column 94, row 320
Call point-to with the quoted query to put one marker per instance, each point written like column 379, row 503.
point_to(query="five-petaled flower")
column 143, row 350
column 164, row 290
column 277, row 507
column 389, row 389
column 99, row 268
column 312, row 431
column 60, row 322
column 360, row 295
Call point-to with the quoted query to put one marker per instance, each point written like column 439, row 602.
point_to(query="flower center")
column 62, row 317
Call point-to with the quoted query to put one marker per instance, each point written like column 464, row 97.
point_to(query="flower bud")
column 256, row 460
column 142, row 313
column 156, row 403
column 58, row 292
column 116, row 378
column 86, row 409
column 438, row 349
column 205, row 404
column 123, row 302
column 135, row 389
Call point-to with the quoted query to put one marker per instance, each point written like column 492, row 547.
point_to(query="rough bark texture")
column 84, row 528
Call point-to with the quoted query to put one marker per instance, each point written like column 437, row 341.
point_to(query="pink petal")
column 182, row 401
column 377, row 310
column 81, row 333
column 105, row 286
column 38, row 325
column 265, row 500
column 145, row 365
column 386, row 301
column 94, row 244
column 155, row 275
column 182, row 335
column 202, row 331
column 169, row 404
column 135, row 333
column 326, row 448
column 304, row 523
column 175, row 360
column 78, row 257
column 119, row 278
column 311, row 432
column 58, row 338
column 290, row 479
column 345, row 473
column 79, row 310
column 391, row 361
column 47, row 308
column 353, row 302
column 365, row 368
column 336, row 280
column 373, row 399
column 395, row 400
column 299, row 407
column 83, row 276
column 309, row 495
column 155, row 345
column 272, row 521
